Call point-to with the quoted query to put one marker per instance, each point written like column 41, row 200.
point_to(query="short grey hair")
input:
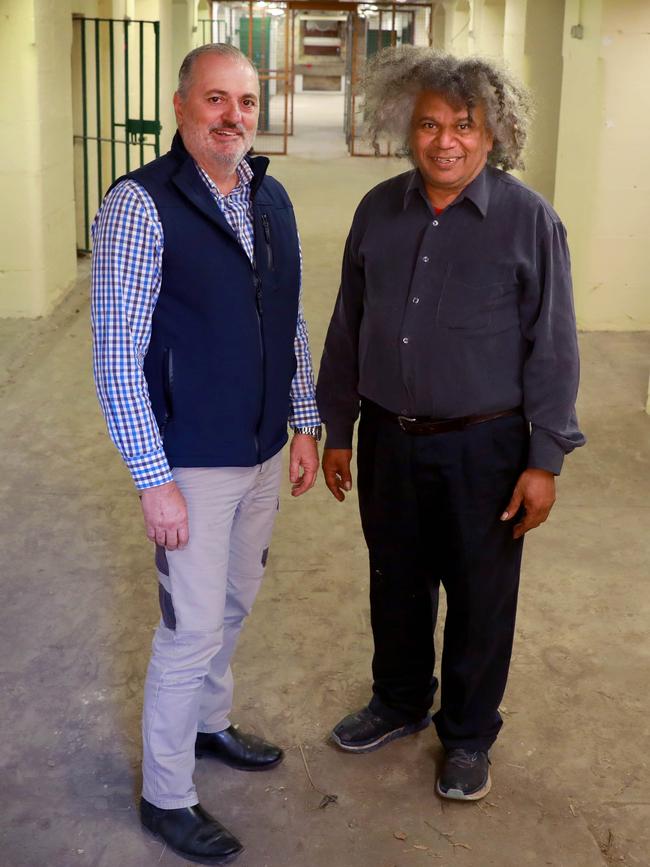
column 395, row 77
column 221, row 49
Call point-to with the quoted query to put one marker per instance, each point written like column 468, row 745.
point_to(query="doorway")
column 311, row 58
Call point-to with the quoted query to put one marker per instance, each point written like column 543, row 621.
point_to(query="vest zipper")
column 260, row 324
column 168, row 388
column 267, row 238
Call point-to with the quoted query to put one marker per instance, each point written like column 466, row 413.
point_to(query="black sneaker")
column 465, row 775
column 364, row 731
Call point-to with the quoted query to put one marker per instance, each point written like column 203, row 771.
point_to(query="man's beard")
column 204, row 150
column 230, row 160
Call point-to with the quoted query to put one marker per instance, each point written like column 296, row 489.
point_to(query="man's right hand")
column 165, row 516
column 336, row 471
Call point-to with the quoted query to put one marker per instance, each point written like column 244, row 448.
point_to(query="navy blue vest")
column 221, row 358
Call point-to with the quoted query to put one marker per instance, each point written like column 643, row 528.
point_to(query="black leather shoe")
column 238, row 750
column 465, row 775
column 364, row 731
column 191, row 832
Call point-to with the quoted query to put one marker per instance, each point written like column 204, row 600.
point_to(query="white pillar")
column 450, row 14
column 514, row 36
column 462, row 20
column 438, row 25
column 486, row 28
column 543, row 66
column 421, row 27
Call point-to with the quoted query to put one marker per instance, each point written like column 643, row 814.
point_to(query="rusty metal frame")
column 288, row 76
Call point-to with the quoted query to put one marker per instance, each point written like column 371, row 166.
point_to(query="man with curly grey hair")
column 454, row 339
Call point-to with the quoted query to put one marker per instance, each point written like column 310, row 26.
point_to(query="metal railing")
column 212, row 30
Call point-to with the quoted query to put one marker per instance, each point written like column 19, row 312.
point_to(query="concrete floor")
column 79, row 608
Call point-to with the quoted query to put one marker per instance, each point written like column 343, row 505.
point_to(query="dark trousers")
column 430, row 508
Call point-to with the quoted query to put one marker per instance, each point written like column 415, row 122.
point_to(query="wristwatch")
column 314, row 431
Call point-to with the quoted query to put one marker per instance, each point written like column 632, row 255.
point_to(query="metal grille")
column 116, row 101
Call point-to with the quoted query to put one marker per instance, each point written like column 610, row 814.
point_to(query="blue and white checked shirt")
column 126, row 278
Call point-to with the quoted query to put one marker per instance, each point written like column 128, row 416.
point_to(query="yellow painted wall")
column 514, row 36
column 421, row 35
column 486, row 28
column 168, row 74
column 104, row 8
column 603, row 173
column 37, row 250
column 543, row 75
column 438, row 12
column 460, row 28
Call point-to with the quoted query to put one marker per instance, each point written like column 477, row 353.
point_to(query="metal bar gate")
column 116, row 110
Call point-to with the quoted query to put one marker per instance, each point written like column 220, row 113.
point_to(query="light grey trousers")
column 208, row 591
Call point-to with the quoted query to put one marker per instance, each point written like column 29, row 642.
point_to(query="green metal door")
column 373, row 41
column 261, row 52
column 116, row 107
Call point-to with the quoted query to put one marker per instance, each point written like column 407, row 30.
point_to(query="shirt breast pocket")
column 478, row 298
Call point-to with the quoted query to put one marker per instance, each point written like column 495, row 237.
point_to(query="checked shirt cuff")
column 149, row 471
column 304, row 413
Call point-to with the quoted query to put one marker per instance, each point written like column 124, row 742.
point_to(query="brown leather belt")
column 424, row 426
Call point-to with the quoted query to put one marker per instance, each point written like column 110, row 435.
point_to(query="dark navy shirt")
column 464, row 312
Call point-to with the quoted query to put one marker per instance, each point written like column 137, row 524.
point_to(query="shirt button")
column 425, row 258
column 435, row 223
column 416, row 300
column 405, row 340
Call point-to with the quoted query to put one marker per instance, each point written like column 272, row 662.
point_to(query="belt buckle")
column 401, row 419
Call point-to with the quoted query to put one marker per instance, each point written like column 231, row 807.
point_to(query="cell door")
column 116, row 107
column 265, row 36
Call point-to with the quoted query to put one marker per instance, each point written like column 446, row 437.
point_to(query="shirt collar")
column 244, row 176
column 478, row 192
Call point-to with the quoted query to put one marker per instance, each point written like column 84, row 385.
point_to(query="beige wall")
column 421, row 36
column 37, row 248
column 543, row 69
column 486, row 28
column 514, row 36
column 460, row 28
column 603, row 173
column 103, row 8
column 438, row 13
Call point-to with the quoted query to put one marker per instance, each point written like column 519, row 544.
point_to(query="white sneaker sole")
column 458, row 795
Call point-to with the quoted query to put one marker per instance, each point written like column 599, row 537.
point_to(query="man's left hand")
column 535, row 491
column 303, row 453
